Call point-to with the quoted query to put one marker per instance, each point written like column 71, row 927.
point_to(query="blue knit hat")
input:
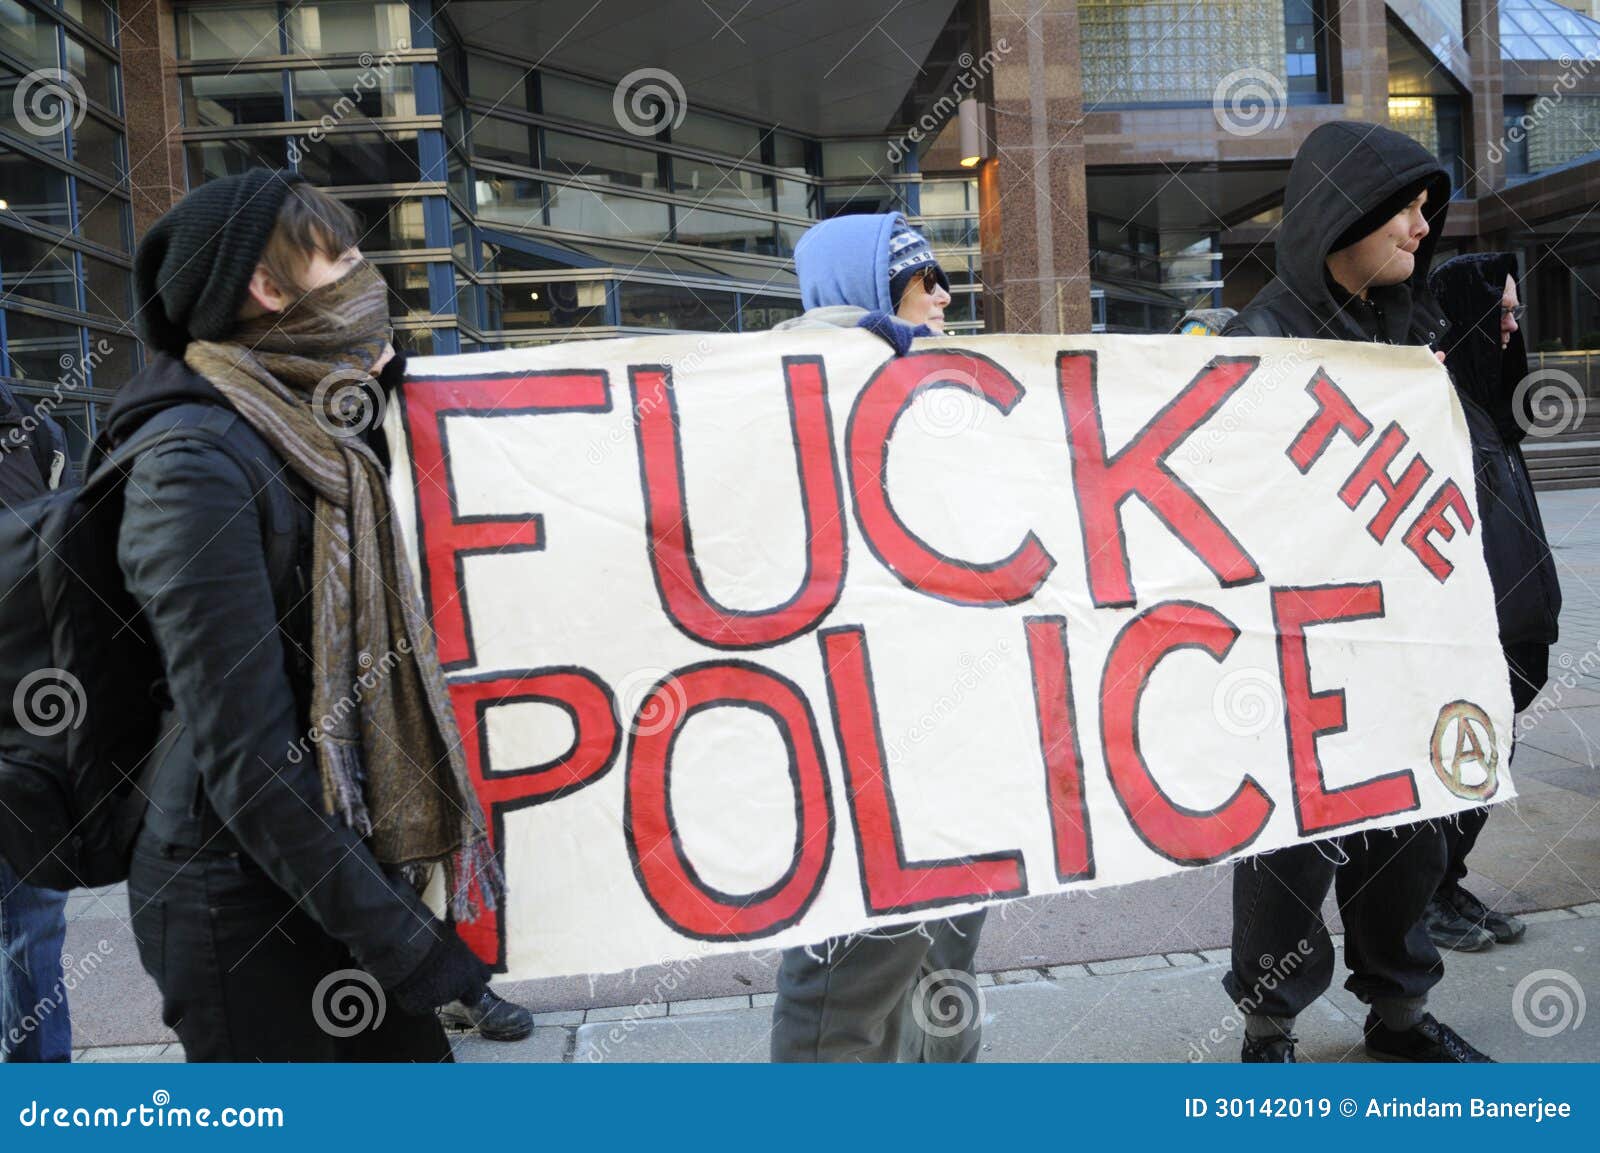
column 909, row 254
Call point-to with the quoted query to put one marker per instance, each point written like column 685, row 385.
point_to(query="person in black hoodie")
column 265, row 904
column 1486, row 358
column 1362, row 213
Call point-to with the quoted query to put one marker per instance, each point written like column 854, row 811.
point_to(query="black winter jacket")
column 1342, row 171
column 220, row 576
column 31, row 450
column 1527, row 592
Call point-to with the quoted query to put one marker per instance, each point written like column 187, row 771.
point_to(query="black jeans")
column 239, row 967
column 1282, row 954
column 1460, row 834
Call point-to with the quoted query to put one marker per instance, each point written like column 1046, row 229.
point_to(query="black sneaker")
column 1268, row 1050
column 494, row 1019
column 1428, row 1040
column 1503, row 927
column 1448, row 929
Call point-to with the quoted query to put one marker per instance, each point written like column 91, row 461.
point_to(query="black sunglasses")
column 932, row 277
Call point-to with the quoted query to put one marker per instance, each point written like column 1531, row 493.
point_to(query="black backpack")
column 81, row 682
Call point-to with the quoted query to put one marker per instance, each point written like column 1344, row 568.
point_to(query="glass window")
column 942, row 197
column 788, row 236
column 846, row 158
column 389, row 224
column 713, row 185
column 862, row 198
column 105, row 287
column 789, row 152
column 510, row 200
column 714, row 134
column 103, row 218
column 585, row 210
column 460, row 238
column 217, row 33
column 111, row 360
column 408, row 287
column 97, row 145
column 724, row 230
column 1137, row 51
column 27, row 35
column 344, row 92
column 575, row 100
column 98, row 16
column 414, row 341
column 32, row 189
column 318, row 29
column 36, row 112
column 580, row 304
column 597, row 160
column 40, row 349
column 361, row 158
column 504, row 140
column 236, row 98
column 763, row 312
column 797, row 199
column 958, row 233
column 95, row 71
column 675, row 306
column 502, row 84
column 210, row 159
column 38, row 269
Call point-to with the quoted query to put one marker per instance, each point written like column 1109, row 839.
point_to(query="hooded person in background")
column 310, row 779
column 1362, row 212
column 866, row 997
column 1487, row 361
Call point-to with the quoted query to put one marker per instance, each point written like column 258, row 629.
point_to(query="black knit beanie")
column 192, row 269
column 1379, row 216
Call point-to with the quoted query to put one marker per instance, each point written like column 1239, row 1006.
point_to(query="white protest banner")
column 759, row 639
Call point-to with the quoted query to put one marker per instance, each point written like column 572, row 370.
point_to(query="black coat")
column 1527, row 592
column 220, row 575
column 1343, row 171
column 28, row 449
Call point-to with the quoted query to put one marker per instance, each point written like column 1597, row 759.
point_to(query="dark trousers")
column 1460, row 834
column 242, row 970
column 1282, row 953
column 877, row 998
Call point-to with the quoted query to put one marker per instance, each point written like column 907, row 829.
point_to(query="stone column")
column 1484, row 146
column 150, row 109
column 1363, row 57
column 1037, row 187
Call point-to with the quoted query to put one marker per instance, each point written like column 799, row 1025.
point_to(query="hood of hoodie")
column 828, row 316
column 845, row 260
column 164, row 382
column 1341, row 172
column 1468, row 289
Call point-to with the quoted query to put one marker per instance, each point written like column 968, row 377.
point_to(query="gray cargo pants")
column 870, row 997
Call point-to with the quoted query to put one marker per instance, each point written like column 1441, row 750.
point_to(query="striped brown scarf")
column 388, row 748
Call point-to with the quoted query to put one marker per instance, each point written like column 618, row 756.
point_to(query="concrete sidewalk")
column 1133, row 971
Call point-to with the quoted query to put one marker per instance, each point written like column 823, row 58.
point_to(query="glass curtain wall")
column 65, row 218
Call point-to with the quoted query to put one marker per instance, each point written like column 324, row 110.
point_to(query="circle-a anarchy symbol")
column 1464, row 735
